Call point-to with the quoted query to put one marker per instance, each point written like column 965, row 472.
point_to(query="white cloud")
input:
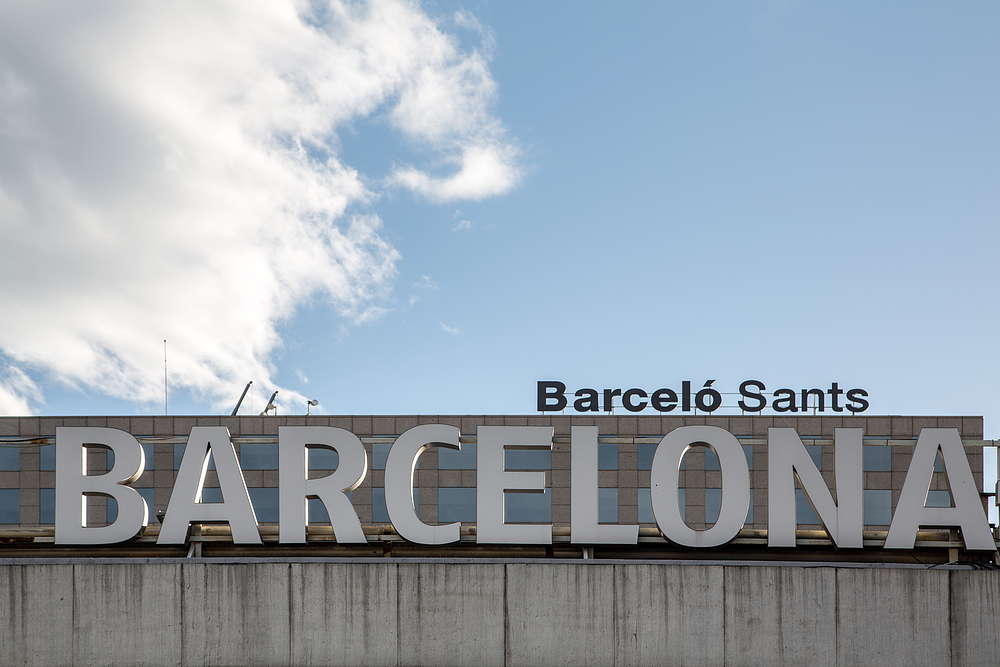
column 451, row 330
column 301, row 376
column 170, row 170
column 461, row 224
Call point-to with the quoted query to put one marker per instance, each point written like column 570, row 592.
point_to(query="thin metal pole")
column 166, row 411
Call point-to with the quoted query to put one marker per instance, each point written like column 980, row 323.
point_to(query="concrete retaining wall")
column 493, row 613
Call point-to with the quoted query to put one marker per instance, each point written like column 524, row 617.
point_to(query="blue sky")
column 800, row 193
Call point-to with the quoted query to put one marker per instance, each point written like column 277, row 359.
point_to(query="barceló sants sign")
column 788, row 462
column 754, row 398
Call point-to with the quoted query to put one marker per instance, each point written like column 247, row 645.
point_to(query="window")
column 713, row 505
column 10, row 505
column 607, row 456
column 316, row 511
column 47, row 457
column 804, row 513
column 607, row 505
column 265, row 503
column 938, row 499
column 380, row 453
column 527, row 507
column 380, row 514
column 259, row 456
column 877, row 505
column 750, row 509
column 527, row 459
column 816, row 453
column 321, row 458
column 46, row 505
column 877, row 458
column 179, row 454
column 10, row 457
column 645, row 458
column 211, row 494
column 456, row 504
column 147, row 455
column 453, row 459
column 645, row 507
column 712, row 459
column 147, row 495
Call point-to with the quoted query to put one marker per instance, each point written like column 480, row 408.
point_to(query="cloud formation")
column 171, row 170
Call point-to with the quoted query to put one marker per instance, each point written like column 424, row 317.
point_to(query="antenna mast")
column 165, row 404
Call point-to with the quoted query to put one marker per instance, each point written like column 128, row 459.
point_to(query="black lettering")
column 755, row 395
column 860, row 404
column 820, row 397
column 786, row 404
column 627, row 400
column 835, row 394
column 708, row 399
column 609, row 396
column 548, row 391
column 587, row 401
column 686, row 395
column 664, row 400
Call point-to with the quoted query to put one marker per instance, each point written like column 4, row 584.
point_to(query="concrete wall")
column 382, row 612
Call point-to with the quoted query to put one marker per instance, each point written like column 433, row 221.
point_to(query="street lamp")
column 309, row 405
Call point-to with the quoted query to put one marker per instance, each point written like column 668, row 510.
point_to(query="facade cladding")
column 445, row 480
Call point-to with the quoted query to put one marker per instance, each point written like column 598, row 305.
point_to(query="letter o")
column 735, row 486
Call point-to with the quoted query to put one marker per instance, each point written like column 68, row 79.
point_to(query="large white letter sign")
column 584, row 526
column 73, row 485
column 492, row 481
column 967, row 513
column 788, row 460
column 295, row 488
column 735, row 486
column 185, row 503
column 399, row 467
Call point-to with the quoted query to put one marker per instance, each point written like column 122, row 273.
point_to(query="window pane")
column 147, row 454
column 816, row 452
column 877, row 458
column 645, row 506
column 211, row 494
column 10, row 505
column 259, row 456
column 456, row 504
column 10, row 457
column 112, row 509
column 645, row 458
column 713, row 505
column 682, row 501
column 711, row 459
column 527, row 459
column 527, row 507
column 938, row 466
column 179, row 454
column 47, row 457
column 804, row 513
column 316, row 511
column 379, row 512
column 938, row 499
column 750, row 509
column 322, row 458
column 452, row 459
column 147, row 495
column 46, row 505
column 380, row 452
column 265, row 503
column 877, row 505
column 607, row 457
column 748, row 452
column 607, row 505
